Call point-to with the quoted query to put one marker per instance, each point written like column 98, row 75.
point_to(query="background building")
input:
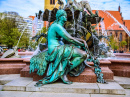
column 21, row 22
column 127, row 24
column 50, row 4
column 37, row 25
column 113, row 24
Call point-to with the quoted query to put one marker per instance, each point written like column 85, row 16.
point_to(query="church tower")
column 50, row 4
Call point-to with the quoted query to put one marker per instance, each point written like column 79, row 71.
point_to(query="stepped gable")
column 127, row 24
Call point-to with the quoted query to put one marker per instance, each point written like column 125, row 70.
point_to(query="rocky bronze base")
column 87, row 76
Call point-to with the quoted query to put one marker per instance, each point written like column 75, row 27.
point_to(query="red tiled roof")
column 127, row 24
column 109, row 22
column 32, row 17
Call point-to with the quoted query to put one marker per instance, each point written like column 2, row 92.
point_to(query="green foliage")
column 2, row 90
column 44, row 30
column 114, row 44
column 42, row 39
column 9, row 32
column 123, row 43
column 24, row 41
column 128, row 42
column 33, row 44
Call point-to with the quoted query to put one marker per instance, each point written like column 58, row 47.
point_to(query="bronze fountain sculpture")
column 68, row 45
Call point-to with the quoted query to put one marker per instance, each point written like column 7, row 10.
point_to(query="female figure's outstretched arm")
column 65, row 35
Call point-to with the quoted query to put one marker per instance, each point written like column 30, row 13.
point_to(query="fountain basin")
column 120, row 67
column 23, row 54
column 109, row 68
column 123, row 55
column 11, row 65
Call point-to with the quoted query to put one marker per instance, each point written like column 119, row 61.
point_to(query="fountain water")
column 123, row 27
column 98, row 34
column 103, row 28
column 104, row 33
column 73, row 20
column 79, row 20
column 55, row 4
column 20, row 37
column 35, row 23
column 110, row 27
column 49, row 18
column 93, row 35
column 116, row 22
column 13, row 52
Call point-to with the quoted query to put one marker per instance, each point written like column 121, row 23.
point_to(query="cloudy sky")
column 30, row 7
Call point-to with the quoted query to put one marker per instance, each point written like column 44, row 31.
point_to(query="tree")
column 11, row 29
column 128, row 43
column 42, row 39
column 9, row 32
column 24, row 41
column 114, row 44
column 123, row 43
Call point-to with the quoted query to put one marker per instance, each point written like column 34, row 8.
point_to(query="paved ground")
column 15, row 86
column 42, row 94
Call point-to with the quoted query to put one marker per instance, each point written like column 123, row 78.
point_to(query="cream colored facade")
column 48, row 5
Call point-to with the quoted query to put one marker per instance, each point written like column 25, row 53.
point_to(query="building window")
column 110, row 33
column 116, row 34
column 120, row 38
column 52, row 1
column 119, row 26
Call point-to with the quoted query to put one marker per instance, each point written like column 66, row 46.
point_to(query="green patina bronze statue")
column 67, row 54
column 60, row 58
